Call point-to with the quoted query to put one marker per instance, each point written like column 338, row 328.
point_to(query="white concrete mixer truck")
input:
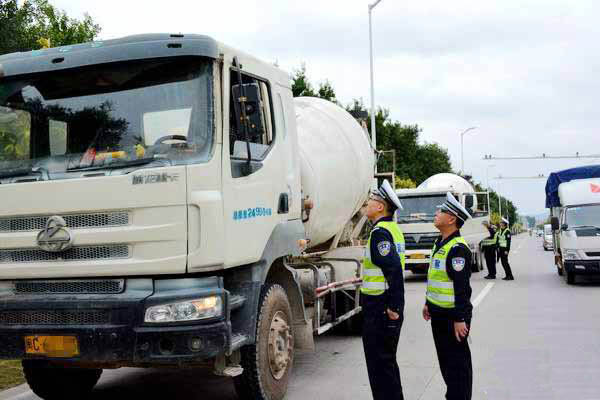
column 159, row 194
column 416, row 219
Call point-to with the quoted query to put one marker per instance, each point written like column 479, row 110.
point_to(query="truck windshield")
column 419, row 209
column 583, row 216
column 105, row 116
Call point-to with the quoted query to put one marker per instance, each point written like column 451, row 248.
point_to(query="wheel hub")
column 280, row 345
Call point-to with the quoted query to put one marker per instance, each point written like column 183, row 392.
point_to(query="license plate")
column 417, row 256
column 52, row 346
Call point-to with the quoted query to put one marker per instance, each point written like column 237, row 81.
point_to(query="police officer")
column 503, row 237
column 489, row 245
column 448, row 300
column 383, row 294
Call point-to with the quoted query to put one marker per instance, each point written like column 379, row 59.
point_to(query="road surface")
column 532, row 338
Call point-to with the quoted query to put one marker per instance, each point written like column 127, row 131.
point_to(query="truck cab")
column 158, row 210
column 416, row 220
column 573, row 197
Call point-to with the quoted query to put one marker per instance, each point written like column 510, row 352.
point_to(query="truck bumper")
column 582, row 267
column 110, row 329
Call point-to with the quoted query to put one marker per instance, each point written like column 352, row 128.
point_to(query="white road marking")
column 482, row 294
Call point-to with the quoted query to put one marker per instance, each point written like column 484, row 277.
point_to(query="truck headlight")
column 190, row 310
column 570, row 254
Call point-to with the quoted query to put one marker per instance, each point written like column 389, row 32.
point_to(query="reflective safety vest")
column 501, row 237
column 374, row 283
column 440, row 289
column 490, row 241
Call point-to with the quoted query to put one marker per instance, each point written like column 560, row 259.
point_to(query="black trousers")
column 454, row 358
column 380, row 342
column 490, row 260
column 505, row 265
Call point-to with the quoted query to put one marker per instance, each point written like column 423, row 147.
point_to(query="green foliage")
column 405, row 183
column 300, row 83
column 509, row 210
column 10, row 374
column 301, row 86
column 15, row 128
column 35, row 24
column 530, row 221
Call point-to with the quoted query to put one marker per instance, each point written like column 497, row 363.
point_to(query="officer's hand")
column 392, row 315
column 426, row 315
column 460, row 330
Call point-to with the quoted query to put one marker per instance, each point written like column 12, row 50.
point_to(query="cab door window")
column 257, row 133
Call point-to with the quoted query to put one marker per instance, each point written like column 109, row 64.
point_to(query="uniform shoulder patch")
column 458, row 264
column 384, row 248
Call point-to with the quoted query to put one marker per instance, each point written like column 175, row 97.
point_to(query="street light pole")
column 487, row 175
column 373, row 128
column 462, row 156
column 499, row 200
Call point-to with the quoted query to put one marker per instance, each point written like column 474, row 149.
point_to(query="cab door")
column 255, row 193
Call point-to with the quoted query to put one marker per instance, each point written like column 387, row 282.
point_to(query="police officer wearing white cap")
column 382, row 294
column 448, row 299
column 503, row 237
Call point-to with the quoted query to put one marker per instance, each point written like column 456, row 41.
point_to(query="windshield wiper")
column 114, row 165
column 413, row 217
column 24, row 171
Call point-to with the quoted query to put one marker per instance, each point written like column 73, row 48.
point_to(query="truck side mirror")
column 254, row 109
column 469, row 201
column 554, row 223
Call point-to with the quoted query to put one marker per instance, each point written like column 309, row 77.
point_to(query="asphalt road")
column 532, row 338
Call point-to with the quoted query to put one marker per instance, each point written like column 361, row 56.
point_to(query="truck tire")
column 59, row 383
column 570, row 277
column 268, row 363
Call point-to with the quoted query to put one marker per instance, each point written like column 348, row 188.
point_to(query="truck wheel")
column 570, row 277
column 268, row 363
column 61, row 383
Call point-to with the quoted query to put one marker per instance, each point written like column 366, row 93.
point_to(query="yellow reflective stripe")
column 374, row 285
column 441, row 297
column 441, row 285
column 373, row 272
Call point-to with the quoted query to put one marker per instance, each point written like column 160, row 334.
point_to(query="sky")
column 524, row 72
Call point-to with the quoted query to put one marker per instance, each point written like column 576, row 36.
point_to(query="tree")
column 301, row 86
column 300, row 83
column 406, row 183
column 326, row 92
column 36, row 24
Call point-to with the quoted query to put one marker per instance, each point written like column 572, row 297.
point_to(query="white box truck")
column 573, row 197
column 420, row 205
column 159, row 194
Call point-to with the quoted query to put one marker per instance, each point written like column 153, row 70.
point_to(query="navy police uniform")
column 504, row 239
column 490, row 248
column 448, row 300
column 380, row 333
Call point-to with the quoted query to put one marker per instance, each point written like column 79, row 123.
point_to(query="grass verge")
column 10, row 374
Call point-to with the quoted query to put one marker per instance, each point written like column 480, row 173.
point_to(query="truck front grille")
column 107, row 252
column 96, row 286
column 424, row 242
column 74, row 221
column 55, row 317
column 593, row 253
